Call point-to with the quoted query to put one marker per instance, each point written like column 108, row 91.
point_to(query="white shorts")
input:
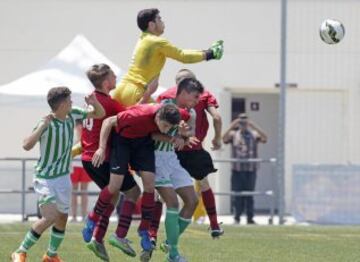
column 54, row 191
column 169, row 172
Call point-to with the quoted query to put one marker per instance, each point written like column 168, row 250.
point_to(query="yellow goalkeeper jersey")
column 148, row 60
column 150, row 55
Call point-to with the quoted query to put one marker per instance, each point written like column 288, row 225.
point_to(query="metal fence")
column 26, row 189
column 268, row 193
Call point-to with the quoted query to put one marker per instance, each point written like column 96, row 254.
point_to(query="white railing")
column 29, row 190
column 268, row 193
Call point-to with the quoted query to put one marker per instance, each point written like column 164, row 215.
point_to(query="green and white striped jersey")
column 55, row 146
column 166, row 146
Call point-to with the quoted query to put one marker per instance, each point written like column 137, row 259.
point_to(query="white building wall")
column 316, row 130
column 42, row 27
column 32, row 31
column 313, row 64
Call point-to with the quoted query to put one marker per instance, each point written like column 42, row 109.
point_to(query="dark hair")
column 188, row 74
column 56, row 96
column 169, row 113
column 145, row 16
column 97, row 74
column 190, row 85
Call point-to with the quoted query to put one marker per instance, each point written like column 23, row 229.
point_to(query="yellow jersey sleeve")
column 150, row 55
column 182, row 55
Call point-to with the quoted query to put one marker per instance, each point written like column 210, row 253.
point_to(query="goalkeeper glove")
column 215, row 51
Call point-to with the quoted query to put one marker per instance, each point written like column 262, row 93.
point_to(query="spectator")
column 80, row 181
column 244, row 136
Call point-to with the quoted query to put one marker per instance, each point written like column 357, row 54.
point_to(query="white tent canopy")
column 65, row 69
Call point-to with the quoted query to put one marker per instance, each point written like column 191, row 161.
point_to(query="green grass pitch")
column 241, row 243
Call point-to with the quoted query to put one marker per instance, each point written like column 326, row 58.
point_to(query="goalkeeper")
column 149, row 58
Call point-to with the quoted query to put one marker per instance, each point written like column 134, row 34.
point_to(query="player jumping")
column 149, row 58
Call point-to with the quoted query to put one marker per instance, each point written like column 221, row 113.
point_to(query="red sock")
column 209, row 203
column 147, row 207
column 154, row 225
column 101, row 204
column 125, row 218
column 102, row 225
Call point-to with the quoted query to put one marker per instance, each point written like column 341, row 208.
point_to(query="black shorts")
column 198, row 163
column 101, row 176
column 136, row 152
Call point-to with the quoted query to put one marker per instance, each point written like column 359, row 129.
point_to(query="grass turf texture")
column 242, row 243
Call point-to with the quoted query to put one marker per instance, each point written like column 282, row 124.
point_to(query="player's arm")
column 192, row 123
column 229, row 134
column 107, row 125
column 187, row 124
column 97, row 111
column 182, row 55
column 30, row 141
column 187, row 130
column 191, row 56
column 177, row 141
column 161, row 137
column 217, row 123
column 150, row 89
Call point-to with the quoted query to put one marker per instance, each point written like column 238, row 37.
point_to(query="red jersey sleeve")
column 169, row 93
column 185, row 115
column 118, row 107
column 158, row 99
column 210, row 100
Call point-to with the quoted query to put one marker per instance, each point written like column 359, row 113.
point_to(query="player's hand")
column 47, row 119
column 91, row 99
column 98, row 157
column 216, row 50
column 216, row 144
column 178, row 142
column 183, row 128
column 192, row 141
